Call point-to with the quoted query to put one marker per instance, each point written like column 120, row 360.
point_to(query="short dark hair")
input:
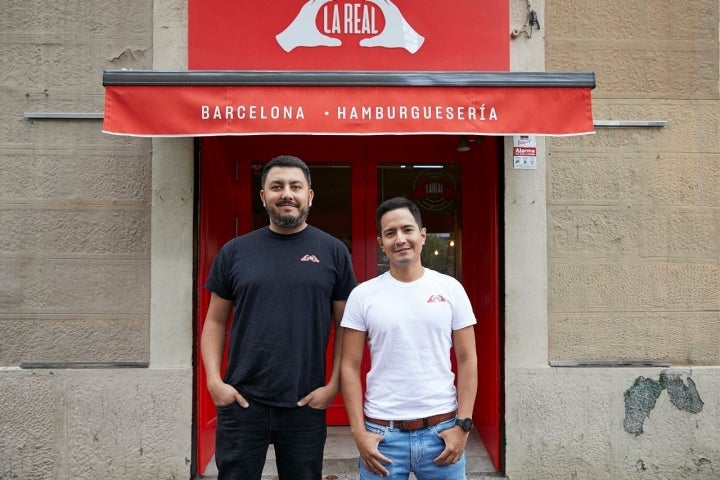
column 394, row 204
column 285, row 161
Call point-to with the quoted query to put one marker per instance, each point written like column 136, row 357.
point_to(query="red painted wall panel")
column 452, row 35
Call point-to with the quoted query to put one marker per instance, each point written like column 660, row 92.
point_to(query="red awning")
column 204, row 103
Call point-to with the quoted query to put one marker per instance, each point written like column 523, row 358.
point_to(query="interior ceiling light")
column 463, row 145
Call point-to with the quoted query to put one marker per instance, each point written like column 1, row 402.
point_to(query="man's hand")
column 367, row 444
column 223, row 394
column 320, row 398
column 455, row 441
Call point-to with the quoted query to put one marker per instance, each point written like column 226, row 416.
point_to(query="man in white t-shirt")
column 413, row 418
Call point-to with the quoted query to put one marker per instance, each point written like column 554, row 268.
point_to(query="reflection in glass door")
column 436, row 191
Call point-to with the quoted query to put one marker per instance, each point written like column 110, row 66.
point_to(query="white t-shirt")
column 409, row 329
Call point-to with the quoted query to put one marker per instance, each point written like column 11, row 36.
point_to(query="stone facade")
column 74, row 203
column 96, row 251
column 632, row 222
column 77, row 262
column 634, row 213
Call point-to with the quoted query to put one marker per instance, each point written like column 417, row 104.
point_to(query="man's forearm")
column 467, row 388
column 212, row 346
column 334, row 380
column 352, row 395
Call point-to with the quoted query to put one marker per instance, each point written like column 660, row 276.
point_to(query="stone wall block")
column 631, row 286
column 555, row 428
column 643, row 23
column 66, row 50
column 696, row 455
column 593, row 178
column 129, row 423
column 63, row 137
column 30, row 425
column 96, row 423
column 681, row 338
column 110, row 232
column 170, row 35
column 101, row 18
column 73, row 338
column 634, row 178
column 634, row 232
column 692, row 126
column 594, row 232
column 643, row 50
column 682, row 234
column 15, row 52
column 681, row 179
column 66, row 137
column 567, row 423
column 65, row 286
column 665, row 72
column 67, row 75
column 99, row 175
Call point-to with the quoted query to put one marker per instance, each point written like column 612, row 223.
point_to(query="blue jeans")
column 244, row 434
column 414, row 452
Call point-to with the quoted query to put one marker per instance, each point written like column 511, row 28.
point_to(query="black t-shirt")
column 283, row 287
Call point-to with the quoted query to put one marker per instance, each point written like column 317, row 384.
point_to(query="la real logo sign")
column 319, row 23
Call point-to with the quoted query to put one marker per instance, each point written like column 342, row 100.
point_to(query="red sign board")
column 376, row 35
column 524, row 151
column 192, row 110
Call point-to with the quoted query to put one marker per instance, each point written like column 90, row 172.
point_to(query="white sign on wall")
column 524, row 152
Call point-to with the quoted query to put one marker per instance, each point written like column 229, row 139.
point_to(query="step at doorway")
column 341, row 457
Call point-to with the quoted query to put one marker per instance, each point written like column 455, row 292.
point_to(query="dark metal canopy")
column 349, row 78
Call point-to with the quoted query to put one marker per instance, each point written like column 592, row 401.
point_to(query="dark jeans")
column 244, row 434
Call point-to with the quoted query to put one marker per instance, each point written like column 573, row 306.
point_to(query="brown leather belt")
column 417, row 424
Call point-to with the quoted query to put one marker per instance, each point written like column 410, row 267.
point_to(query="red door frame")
column 225, row 195
column 481, row 279
column 217, row 179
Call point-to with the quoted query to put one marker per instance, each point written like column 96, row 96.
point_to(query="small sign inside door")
column 524, row 152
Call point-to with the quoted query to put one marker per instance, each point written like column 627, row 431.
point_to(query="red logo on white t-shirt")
column 436, row 298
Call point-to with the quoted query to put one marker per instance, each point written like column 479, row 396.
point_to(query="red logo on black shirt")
column 310, row 258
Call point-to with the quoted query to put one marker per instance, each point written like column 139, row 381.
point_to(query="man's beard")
column 289, row 221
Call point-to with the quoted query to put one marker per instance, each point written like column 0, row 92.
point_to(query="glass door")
column 436, row 191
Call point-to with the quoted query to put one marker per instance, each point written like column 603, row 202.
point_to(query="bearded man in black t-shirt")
column 286, row 282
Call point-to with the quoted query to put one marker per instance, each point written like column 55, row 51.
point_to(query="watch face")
column 465, row 423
